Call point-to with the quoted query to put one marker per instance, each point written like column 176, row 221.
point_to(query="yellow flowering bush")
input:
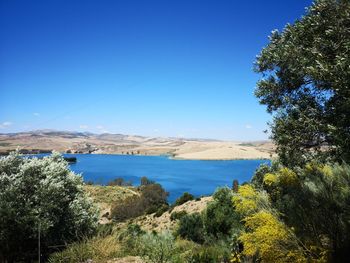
column 270, row 239
column 270, row 179
column 248, row 199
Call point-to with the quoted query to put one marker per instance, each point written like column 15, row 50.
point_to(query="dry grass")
column 128, row 259
column 110, row 194
column 106, row 196
column 99, row 249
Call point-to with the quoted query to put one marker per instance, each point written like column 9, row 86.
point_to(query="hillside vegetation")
column 295, row 210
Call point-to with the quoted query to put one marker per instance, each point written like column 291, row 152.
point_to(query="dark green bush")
column 211, row 254
column 220, row 217
column 154, row 194
column 191, row 227
column 161, row 210
column 177, row 215
column 145, row 181
column 104, row 230
column 128, row 208
column 183, row 199
column 152, row 198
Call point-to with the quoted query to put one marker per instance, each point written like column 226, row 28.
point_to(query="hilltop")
column 179, row 148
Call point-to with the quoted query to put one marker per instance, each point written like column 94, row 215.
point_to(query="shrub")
column 119, row 182
column 41, row 194
column 324, row 192
column 128, row 237
column 146, row 181
column 258, row 177
column 191, row 227
column 157, row 248
column 211, row 254
column 220, row 217
column 104, row 230
column 131, row 207
column 152, row 197
column 183, row 199
column 98, row 248
column 162, row 210
column 266, row 237
column 177, row 215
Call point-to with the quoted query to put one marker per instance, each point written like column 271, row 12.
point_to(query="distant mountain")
column 86, row 142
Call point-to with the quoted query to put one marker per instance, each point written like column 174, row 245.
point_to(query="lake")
column 176, row 176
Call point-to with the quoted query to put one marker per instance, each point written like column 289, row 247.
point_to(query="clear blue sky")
column 157, row 68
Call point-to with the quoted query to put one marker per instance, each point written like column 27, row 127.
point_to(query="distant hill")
column 85, row 142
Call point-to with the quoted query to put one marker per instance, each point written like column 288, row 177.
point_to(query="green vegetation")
column 246, row 144
column 119, row 182
column 177, row 215
column 152, row 198
column 219, row 218
column 212, row 229
column 146, row 181
column 306, row 84
column 295, row 210
column 183, row 199
column 161, row 210
column 41, row 197
column 191, row 227
column 99, row 248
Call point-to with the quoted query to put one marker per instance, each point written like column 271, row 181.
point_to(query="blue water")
column 176, row 176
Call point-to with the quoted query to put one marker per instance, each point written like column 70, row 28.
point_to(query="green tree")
column 152, row 198
column 145, row 181
column 306, row 84
column 219, row 218
column 191, row 227
column 120, row 182
column 41, row 195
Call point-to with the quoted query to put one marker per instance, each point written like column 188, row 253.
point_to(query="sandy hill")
column 179, row 148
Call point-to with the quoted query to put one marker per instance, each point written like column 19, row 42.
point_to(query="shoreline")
column 168, row 156
column 177, row 149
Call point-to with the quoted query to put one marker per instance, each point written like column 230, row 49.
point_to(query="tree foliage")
column 306, row 84
column 220, row 218
column 315, row 200
column 41, row 195
column 120, row 182
column 185, row 197
column 152, row 198
column 191, row 227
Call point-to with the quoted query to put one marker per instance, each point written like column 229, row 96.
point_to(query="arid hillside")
column 180, row 148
